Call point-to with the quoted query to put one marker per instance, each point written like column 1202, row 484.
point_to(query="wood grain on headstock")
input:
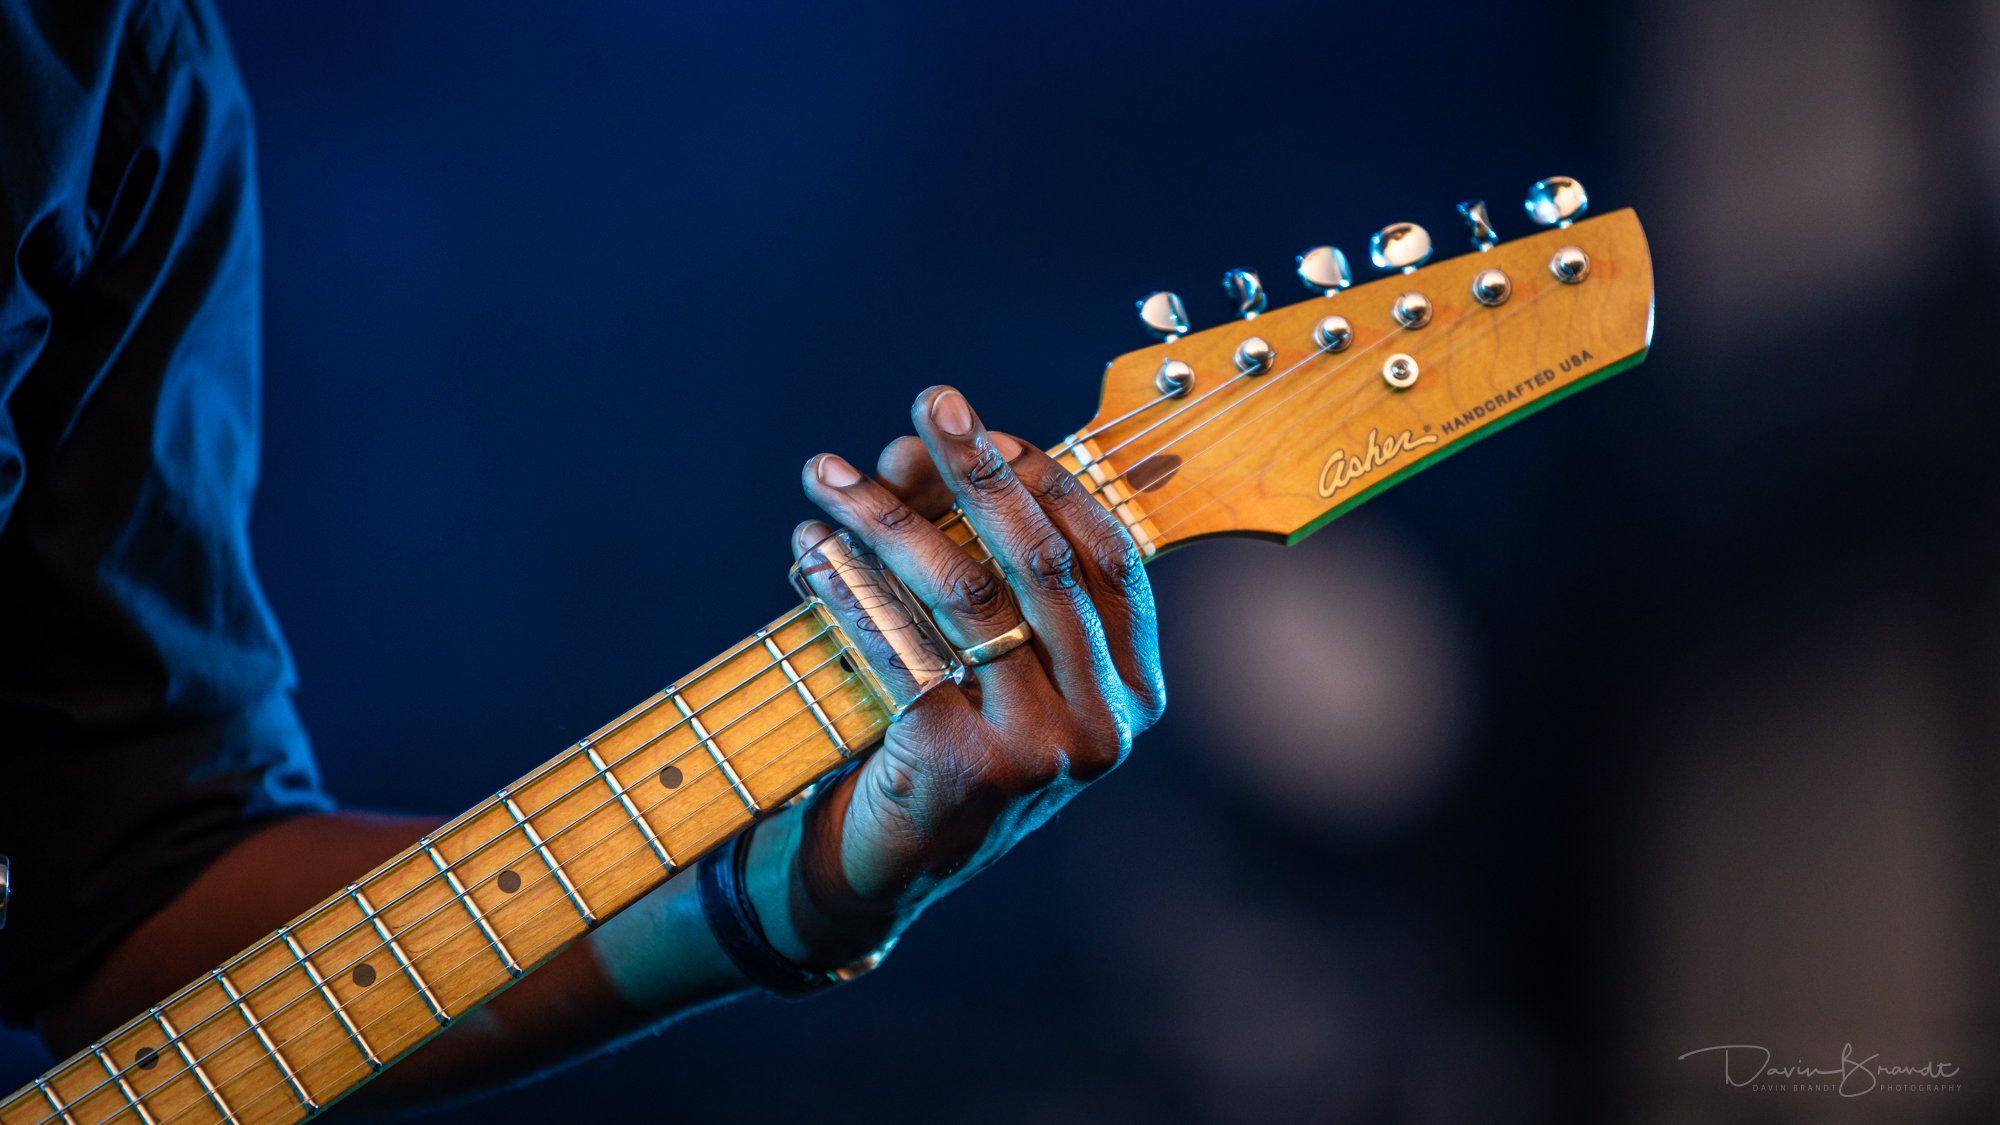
column 1277, row 456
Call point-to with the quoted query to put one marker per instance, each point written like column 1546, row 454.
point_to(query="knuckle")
column 894, row 517
column 1124, row 572
column 1032, row 772
column 1050, row 562
column 988, row 472
column 975, row 592
column 1053, row 485
column 1102, row 748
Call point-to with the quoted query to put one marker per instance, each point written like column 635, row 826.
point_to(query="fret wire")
column 819, row 715
column 548, row 857
column 464, row 963
column 689, row 715
column 270, row 1048
column 816, row 668
column 478, row 916
column 716, row 665
column 60, row 1108
column 573, row 790
column 332, row 1001
column 312, row 970
column 124, row 1087
column 214, row 1095
column 618, row 791
column 368, row 911
column 715, row 751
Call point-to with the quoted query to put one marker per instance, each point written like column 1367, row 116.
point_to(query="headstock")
column 1272, row 425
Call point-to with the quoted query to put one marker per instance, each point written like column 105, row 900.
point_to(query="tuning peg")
column 1400, row 246
column 1556, row 201
column 1481, row 225
column 1324, row 270
column 1163, row 315
column 1245, row 291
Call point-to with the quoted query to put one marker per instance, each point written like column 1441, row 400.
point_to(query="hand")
column 971, row 769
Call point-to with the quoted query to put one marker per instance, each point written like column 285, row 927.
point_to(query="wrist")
column 796, row 918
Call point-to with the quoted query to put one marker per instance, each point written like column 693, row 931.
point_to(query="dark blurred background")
column 1662, row 721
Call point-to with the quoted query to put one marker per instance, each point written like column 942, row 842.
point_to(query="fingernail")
column 809, row 533
column 1008, row 447
column 836, row 473
column 950, row 411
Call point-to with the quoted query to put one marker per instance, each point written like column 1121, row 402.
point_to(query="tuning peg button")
column 1400, row 246
column 1480, row 223
column 1556, row 201
column 1163, row 315
column 1324, row 270
column 1246, row 291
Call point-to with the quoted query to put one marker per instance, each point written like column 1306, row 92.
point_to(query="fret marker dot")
column 364, row 974
column 671, row 777
column 146, row 1059
column 508, row 882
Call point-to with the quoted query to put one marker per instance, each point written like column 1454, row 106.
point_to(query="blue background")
column 559, row 299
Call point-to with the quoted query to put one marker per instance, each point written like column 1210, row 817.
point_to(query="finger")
column 1112, row 571
column 970, row 603
column 905, row 469
column 1037, row 560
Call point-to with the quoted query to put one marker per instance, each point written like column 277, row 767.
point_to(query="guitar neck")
column 315, row 1010
column 312, row 1012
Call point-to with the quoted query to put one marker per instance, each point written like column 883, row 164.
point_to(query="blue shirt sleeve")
column 146, row 721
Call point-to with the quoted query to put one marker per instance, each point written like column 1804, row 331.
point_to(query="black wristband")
column 725, row 902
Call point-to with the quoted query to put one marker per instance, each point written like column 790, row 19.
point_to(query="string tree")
column 1473, row 212
column 1245, row 290
column 1400, row 246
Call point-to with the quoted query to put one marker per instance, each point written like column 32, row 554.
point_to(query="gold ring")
column 993, row 648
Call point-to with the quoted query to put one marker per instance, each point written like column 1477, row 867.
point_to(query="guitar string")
column 1432, row 342
column 319, row 1022
column 1264, row 385
column 483, row 958
column 1069, row 444
column 1456, row 344
column 1427, row 341
column 1075, row 441
column 431, row 880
